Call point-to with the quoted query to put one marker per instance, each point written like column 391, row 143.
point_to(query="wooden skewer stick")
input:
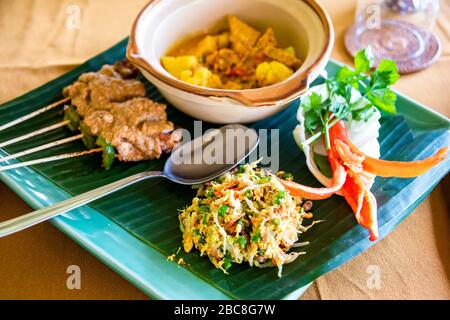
column 42, row 147
column 35, row 133
column 50, row 159
column 33, row 114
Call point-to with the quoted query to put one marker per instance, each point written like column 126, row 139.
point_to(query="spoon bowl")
column 210, row 155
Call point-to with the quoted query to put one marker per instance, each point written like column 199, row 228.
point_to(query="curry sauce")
column 240, row 57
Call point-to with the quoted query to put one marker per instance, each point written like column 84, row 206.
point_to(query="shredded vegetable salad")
column 245, row 215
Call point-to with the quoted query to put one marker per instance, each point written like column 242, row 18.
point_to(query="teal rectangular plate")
column 136, row 229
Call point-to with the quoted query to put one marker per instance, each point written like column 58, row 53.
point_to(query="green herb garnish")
column 256, row 237
column 223, row 209
column 209, row 193
column 280, row 195
column 226, row 263
column 242, row 241
column 241, row 168
column 264, row 179
column 321, row 114
column 287, row 176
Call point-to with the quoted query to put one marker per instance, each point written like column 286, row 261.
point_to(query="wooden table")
column 41, row 39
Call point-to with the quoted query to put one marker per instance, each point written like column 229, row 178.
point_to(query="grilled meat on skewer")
column 113, row 105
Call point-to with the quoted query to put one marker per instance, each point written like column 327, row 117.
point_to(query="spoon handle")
column 35, row 217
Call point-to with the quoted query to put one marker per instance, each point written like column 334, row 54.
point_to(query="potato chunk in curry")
column 235, row 59
column 268, row 73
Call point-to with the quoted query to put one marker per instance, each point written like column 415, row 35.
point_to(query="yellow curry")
column 239, row 58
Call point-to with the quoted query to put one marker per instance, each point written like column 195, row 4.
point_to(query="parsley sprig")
column 321, row 114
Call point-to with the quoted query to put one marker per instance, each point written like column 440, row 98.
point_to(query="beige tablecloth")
column 40, row 40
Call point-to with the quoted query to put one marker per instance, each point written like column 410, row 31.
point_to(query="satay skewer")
column 41, row 147
column 50, row 159
column 72, row 121
column 75, row 122
column 34, row 114
column 34, row 133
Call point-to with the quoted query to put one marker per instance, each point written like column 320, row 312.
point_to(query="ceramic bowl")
column 302, row 24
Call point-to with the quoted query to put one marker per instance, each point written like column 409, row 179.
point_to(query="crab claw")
column 362, row 202
column 399, row 169
column 338, row 180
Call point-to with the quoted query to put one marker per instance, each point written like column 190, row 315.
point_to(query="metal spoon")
column 191, row 163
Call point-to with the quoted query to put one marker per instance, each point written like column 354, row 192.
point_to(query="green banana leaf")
column 148, row 210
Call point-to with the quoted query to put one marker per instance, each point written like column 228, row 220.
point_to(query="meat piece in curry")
column 238, row 58
column 113, row 105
